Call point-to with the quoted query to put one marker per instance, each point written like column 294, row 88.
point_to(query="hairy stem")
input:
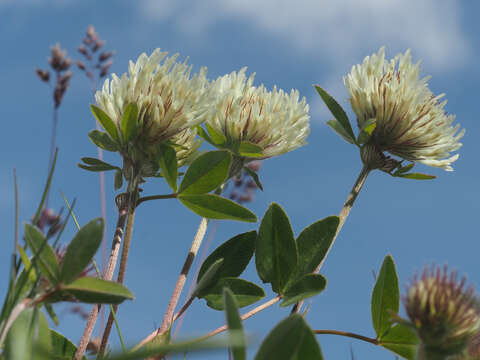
column 347, row 334
column 132, row 203
column 122, row 203
column 168, row 317
column 347, row 206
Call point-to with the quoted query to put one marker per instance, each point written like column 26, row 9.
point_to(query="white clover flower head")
column 186, row 145
column 410, row 120
column 273, row 120
column 169, row 101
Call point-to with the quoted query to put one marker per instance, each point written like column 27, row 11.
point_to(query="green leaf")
column 385, row 297
column 118, row 180
column 62, row 348
column 99, row 165
column 366, row 131
column 276, row 254
column 98, row 291
column 19, row 340
column 46, row 189
column 417, row 176
column 204, row 135
column 404, row 169
column 43, row 342
column 313, row 244
column 291, row 339
column 209, row 279
column 51, row 313
column 254, row 176
column 217, row 137
column 337, row 111
column 216, row 207
column 236, row 254
column 129, row 122
column 338, row 128
column 102, row 140
column 206, row 173
column 248, row 149
column 81, row 250
column 234, row 323
column 167, row 161
column 401, row 340
column 48, row 263
column 106, row 122
column 307, row 286
column 245, row 293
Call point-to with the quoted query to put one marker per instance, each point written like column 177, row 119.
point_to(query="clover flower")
column 168, row 99
column 274, row 122
column 410, row 121
column 443, row 312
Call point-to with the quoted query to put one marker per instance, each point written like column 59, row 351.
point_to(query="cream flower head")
column 410, row 121
column 169, row 101
column 274, row 121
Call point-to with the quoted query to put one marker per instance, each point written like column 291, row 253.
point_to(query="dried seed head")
column 443, row 311
column 59, row 60
column 44, row 75
column 105, row 55
column 80, row 65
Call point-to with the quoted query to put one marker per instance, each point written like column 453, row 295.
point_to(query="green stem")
column 347, row 334
column 132, row 204
column 347, row 206
column 155, row 197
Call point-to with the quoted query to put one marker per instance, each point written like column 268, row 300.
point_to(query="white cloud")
column 334, row 30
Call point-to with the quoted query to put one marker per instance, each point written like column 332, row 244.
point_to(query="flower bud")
column 443, row 312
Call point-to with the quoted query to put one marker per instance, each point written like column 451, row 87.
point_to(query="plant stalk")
column 347, row 334
column 132, row 204
column 122, row 203
column 347, row 206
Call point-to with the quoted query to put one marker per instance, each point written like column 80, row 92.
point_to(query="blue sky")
column 292, row 45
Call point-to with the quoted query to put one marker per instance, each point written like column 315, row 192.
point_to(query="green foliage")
column 81, row 250
column 236, row 254
column 339, row 114
column 385, row 299
column 20, row 340
column 47, row 259
column 103, row 141
column 62, row 348
column 208, row 279
column 254, row 176
column 96, row 165
column 402, row 171
column 245, row 292
column 307, row 286
column 314, row 242
column 118, row 183
column 366, row 131
column 107, row 123
column 216, row 207
column 206, row 173
column 167, row 160
column 128, row 124
column 291, row 339
column 234, row 323
column 276, row 251
column 250, row 150
column 97, row 291
column 401, row 340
